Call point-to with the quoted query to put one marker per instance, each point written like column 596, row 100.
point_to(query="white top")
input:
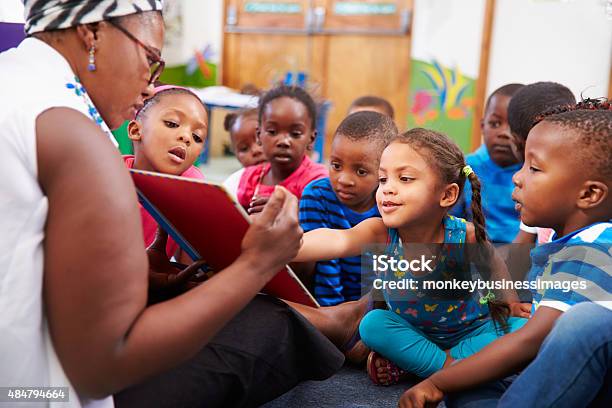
column 528, row 229
column 33, row 78
column 232, row 182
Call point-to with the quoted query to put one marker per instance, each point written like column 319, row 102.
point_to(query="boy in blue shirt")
column 494, row 163
column 346, row 198
column 570, row 193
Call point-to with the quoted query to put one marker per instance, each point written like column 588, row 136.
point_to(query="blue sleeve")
column 579, row 273
column 313, row 215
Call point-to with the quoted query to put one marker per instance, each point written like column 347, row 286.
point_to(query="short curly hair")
column 593, row 131
column 374, row 127
column 533, row 100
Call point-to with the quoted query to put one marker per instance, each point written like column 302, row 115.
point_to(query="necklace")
column 80, row 91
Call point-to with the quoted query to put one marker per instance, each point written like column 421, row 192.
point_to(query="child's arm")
column 323, row 244
column 504, row 356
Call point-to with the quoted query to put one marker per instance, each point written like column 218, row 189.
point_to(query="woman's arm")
column 95, row 271
column 324, row 244
column 504, row 356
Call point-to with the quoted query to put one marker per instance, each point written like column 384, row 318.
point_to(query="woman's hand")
column 162, row 274
column 424, row 394
column 518, row 309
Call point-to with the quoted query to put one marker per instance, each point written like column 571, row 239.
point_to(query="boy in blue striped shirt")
column 346, row 198
column 572, row 194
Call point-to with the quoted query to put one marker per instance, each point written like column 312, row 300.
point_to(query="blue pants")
column 389, row 334
column 572, row 368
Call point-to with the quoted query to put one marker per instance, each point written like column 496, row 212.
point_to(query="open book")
column 207, row 223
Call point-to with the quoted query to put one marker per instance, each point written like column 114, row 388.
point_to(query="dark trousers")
column 266, row 350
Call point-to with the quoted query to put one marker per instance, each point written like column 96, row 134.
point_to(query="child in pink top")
column 287, row 117
column 168, row 135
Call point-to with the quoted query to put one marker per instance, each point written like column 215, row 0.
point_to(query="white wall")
column 203, row 24
column 11, row 11
column 569, row 42
column 440, row 31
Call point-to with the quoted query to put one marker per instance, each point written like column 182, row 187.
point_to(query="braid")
column 478, row 218
column 500, row 311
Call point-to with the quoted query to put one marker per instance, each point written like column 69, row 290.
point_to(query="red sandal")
column 393, row 371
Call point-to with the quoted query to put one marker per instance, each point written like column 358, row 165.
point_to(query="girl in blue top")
column 421, row 175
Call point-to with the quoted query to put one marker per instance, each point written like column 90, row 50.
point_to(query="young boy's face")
column 353, row 172
column 548, row 185
column 496, row 132
column 244, row 143
column 171, row 135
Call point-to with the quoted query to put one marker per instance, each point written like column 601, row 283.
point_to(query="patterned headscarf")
column 47, row 15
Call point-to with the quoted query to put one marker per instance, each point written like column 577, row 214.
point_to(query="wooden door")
column 264, row 39
column 368, row 53
column 348, row 49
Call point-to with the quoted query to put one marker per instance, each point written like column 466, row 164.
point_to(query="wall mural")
column 445, row 59
column 441, row 98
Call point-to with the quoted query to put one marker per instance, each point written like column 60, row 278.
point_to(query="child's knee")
column 372, row 328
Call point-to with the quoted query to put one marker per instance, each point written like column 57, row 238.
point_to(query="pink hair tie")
column 166, row 87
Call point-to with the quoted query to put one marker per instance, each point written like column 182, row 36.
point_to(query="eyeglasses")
column 156, row 63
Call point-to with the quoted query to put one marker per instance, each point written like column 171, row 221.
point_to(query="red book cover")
column 208, row 224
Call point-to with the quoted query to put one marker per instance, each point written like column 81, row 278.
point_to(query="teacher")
column 73, row 268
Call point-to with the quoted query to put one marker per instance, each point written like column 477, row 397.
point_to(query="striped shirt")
column 574, row 268
column 502, row 220
column 338, row 280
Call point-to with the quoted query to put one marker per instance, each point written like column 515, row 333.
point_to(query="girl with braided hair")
column 421, row 175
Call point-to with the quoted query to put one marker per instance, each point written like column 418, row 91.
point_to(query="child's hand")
column 162, row 274
column 257, row 205
column 424, row 394
column 518, row 309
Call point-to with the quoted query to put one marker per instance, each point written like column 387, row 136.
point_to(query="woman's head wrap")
column 47, row 15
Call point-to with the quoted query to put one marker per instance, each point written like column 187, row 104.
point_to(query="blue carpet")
column 349, row 388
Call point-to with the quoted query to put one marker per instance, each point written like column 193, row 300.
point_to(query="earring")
column 92, row 60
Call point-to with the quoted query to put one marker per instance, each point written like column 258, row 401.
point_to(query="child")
column 421, row 175
column 345, row 198
column 168, row 134
column 570, row 193
column 287, row 118
column 242, row 127
column 494, row 162
column 526, row 105
column 372, row 103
